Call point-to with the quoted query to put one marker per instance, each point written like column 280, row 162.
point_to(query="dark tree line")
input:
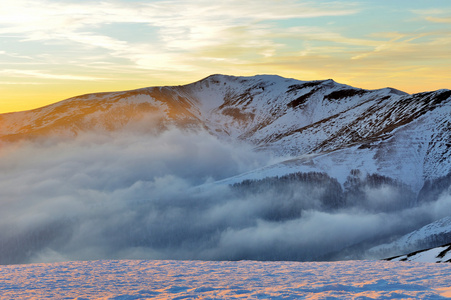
column 376, row 192
column 432, row 189
column 293, row 193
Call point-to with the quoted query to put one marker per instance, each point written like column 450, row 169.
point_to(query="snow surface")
column 138, row 279
column 438, row 255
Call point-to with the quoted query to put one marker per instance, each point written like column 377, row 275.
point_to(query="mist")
column 128, row 195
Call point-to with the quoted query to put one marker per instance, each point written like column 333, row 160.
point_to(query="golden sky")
column 51, row 50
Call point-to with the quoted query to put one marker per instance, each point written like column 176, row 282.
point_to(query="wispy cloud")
column 181, row 26
column 39, row 74
column 397, row 42
column 439, row 20
column 178, row 41
column 435, row 15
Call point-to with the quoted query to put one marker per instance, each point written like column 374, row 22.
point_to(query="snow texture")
column 129, row 279
column 437, row 255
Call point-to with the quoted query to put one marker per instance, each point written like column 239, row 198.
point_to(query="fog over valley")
column 125, row 195
column 227, row 168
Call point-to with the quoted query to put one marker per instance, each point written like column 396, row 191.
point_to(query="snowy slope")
column 434, row 234
column 322, row 125
column 128, row 279
column 434, row 255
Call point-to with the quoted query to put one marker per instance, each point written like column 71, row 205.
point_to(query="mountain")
column 377, row 157
column 321, row 125
column 431, row 235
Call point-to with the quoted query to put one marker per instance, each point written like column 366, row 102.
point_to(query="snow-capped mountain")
column 322, row 125
column 361, row 166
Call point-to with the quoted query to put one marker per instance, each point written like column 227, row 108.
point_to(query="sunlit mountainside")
column 261, row 167
column 285, row 116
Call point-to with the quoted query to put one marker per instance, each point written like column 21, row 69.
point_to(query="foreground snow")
column 139, row 279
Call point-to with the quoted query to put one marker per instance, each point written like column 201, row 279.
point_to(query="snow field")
column 138, row 279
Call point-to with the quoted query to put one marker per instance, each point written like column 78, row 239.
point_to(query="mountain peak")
column 285, row 116
column 340, row 151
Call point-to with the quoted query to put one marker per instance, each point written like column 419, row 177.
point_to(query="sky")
column 51, row 50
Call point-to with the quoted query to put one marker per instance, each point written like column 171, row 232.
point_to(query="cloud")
column 438, row 20
column 169, row 41
column 135, row 194
column 180, row 27
column 71, row 195
column 41, row 75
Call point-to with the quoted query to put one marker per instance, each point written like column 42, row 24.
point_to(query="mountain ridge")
column 339, row 152
column 280, row 115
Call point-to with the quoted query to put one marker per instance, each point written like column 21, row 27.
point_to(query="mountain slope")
column 431, row 235
column 351, row 169
column 318, row 123
column 433, row 255
column 358, row 129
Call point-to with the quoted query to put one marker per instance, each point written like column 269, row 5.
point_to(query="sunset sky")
column 54, row 49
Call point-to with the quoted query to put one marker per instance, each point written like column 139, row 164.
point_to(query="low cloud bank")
column 126, row 196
